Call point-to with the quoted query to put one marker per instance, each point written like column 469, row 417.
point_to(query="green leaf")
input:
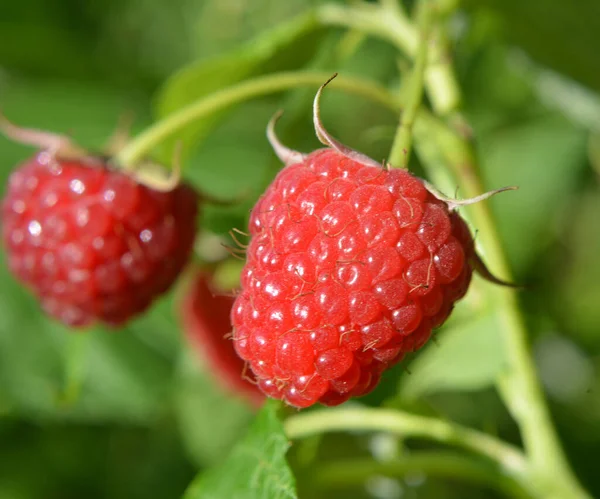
column 210, row 421
column 287, row 46
column 256, row 468
column 466, row 356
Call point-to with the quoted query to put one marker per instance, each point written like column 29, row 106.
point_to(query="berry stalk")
column 142, row 145
column 401, row 148
column 404, row 425
column 75, row 368
column 445, row 464
column 519, row 387
column 391, row 24
column 393, row 6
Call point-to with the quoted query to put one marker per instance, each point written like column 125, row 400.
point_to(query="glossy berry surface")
column 349, row 267
column 205, row 315
column 91, row 243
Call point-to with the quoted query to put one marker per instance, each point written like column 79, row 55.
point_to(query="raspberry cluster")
column 350, row 266
column 91, row 242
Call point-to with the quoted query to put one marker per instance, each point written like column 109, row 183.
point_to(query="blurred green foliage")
column 149, row 416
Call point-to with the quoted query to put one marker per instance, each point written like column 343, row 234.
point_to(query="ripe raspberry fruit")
column 350, row 266
column 205, row 315
column 91, row 242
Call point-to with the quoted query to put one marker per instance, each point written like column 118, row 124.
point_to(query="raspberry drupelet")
column 350, row 266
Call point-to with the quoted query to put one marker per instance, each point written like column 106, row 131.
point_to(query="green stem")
column 391, row 24
column 393, row 6
column 401, row 147
column 405, row 425
column 141, row 145
column 519, row 385
column 452, row 465
column 374, row 20
column 444, row 91
column 74, row 368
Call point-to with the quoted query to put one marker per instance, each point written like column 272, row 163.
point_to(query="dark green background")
column 149, row 417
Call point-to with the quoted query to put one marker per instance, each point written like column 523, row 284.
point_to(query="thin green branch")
column 391, row 24
column 509, row 458
column 393, row 6
column 401, row 147
column 519, row 385
column 75, row 367
column 445, row 464
column 444, row 92
column 374, row 20
column 144, row 143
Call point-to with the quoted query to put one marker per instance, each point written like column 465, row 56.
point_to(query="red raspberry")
column 92, row 243
column 205, row 316
column 350, row 266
